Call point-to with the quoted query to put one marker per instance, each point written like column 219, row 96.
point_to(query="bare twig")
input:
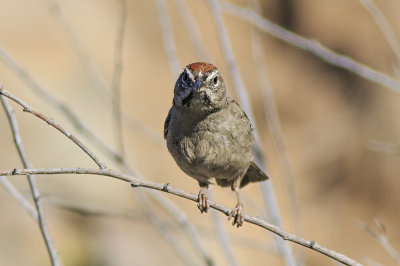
column 104, row 148
column 147, row 214
column 83, row 56
column 164, row 231
column 192, row 30
column 117, row 114
column 71, row 116
column 99, row 210
column 83, row 129
column 178, row 215
column 267, row 189
column 184, row 222
column 384, row 147
column 56, row 103
column 381, row 237
column 51, row 122
column 18, row 196
column 139, row 182
column 384, row 26
column 311, row 46
column 54, row 258
column 143, row 129
column 230, row 58
column 31, row 82
column 97, row 79
column 271, row 113
column 169, row 45
column 116, row 79
column 88, row 209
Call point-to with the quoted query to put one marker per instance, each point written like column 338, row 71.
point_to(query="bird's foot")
column 203, row 200
column 237, row 213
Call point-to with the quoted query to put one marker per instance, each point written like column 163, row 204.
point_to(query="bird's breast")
column 210, row 154
column 215, row 146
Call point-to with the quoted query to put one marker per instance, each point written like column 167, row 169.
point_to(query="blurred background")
column 334, row 160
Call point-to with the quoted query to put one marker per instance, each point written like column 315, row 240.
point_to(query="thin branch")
column 99, row 210
column 184, row 222
column 18, row 196
column 385, row 147
column 143, row 129
column 230, row 58
column 311, row 46
column 54, row 258
column 59, row 105
column 116, row 79
column 271, row 113
column 87, row 209
column 31, row 82
column 151, row 214
column 97, row 79
column 164, row 231
column 381, row 237
column 80, row 126
column 83, row 56
column 51, row 122
column 139, row 182
column 177, row 214
column 168, row 35
column 147, row 214
column 267, row 189
column 117, row 114
column 192, row 30
column 93, row 210
column 384, row 26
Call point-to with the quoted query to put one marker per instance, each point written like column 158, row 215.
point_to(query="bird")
column 210, row 136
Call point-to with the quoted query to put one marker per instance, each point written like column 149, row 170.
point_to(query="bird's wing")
column 238, row 111
column 166, row 123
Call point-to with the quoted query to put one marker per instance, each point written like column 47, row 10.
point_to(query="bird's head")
column 200, row 88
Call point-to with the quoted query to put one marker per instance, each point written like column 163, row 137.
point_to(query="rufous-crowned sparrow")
column 209, row 135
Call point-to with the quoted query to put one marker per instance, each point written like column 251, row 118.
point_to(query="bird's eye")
column 215, row 81
column 185, row 77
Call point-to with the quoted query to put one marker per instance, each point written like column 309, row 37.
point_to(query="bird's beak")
column 198, row 84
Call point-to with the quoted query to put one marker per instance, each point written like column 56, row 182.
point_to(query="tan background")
column 328, row 118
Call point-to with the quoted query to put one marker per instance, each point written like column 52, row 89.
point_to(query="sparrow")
column 210, row 136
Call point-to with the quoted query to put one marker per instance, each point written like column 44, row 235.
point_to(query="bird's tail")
column 253, row 174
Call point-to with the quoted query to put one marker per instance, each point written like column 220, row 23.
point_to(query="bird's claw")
column 203, row 201
column 237, row 213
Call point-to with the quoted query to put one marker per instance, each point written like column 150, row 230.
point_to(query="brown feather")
column 253, row 174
